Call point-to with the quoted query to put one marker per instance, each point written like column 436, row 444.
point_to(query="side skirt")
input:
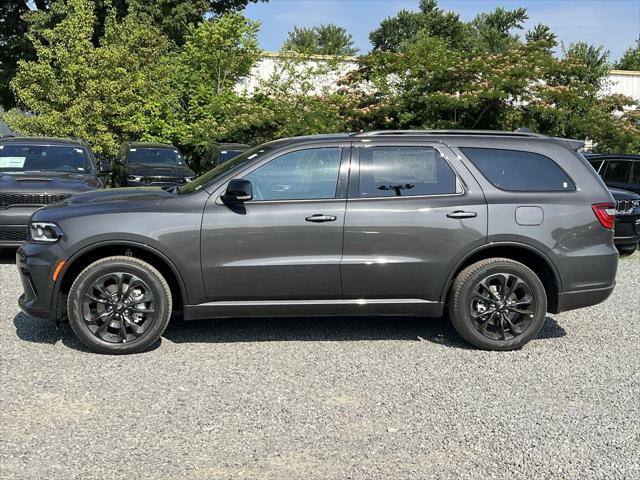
column 314, row 308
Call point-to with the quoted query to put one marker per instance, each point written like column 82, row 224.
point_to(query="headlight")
column 636, row 204
column 134, row 178
column 188, row 179
column 45, row 232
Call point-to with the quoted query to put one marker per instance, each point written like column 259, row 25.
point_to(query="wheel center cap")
column 500, row 305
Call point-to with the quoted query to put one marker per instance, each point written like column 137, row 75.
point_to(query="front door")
column 413, row 211
column 286, row 243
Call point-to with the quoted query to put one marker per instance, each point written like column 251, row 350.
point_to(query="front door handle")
column 318, row 217
column 461, row 214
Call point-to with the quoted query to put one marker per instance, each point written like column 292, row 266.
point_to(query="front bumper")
column 14, row 222
column 627, row 229
column 36, row 263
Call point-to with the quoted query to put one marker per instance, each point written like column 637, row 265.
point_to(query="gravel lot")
column 332, row 398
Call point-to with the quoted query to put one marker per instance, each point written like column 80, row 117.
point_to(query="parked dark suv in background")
column 37, row 171
column 497, row 227
column 618, row 171
column 150, row 164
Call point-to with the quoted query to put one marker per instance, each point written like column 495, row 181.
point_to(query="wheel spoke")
column 95, row 299
column 501, row 326
column 141, row 310
column 94, row 320
column 136, row 329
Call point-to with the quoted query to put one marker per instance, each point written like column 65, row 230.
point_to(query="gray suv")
column 497, row 228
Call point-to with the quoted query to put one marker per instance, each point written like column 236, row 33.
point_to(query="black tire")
column 120, row 335
column 626, row 250
column 467, row 300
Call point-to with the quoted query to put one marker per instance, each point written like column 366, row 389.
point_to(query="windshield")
column 47, row 158
column 223, row 168
column 226, row 155
column 155, row 156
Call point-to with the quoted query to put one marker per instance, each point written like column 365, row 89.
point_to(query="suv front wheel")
column 119, row 305
column 497, row 304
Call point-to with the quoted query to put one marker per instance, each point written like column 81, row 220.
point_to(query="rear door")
column 413, row 212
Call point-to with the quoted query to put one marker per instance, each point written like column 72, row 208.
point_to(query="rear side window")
column 617, row 171
column 519, row 171
column 404, row 171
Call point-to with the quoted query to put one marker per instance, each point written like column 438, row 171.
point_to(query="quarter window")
column 301, row 175
column 617, row 171
column 519, row 171
column 404, row 171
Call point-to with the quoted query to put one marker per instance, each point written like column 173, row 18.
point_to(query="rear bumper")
column 582, row 298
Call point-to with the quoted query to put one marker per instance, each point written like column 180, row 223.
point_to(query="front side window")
column 617, row 171
column 154, row 156
column 404, row 171
column 46, row 158
column 519, row 171
column 300, row 175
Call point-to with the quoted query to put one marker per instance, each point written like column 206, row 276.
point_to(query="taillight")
column 606, row 213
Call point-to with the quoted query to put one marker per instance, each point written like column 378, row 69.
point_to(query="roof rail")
column 500, row 133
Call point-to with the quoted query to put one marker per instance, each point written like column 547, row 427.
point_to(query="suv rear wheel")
column 497, row 304
column 119, row 305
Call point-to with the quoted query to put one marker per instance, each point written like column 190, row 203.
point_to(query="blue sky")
column 615, row 24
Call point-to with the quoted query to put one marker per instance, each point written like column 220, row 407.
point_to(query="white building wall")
column 620, row 81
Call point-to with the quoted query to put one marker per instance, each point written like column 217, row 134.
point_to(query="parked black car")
column 618, row 171
column 37, row 171
column 213, row 154
column 497, row 227
column 627, row 229
column 150, row 164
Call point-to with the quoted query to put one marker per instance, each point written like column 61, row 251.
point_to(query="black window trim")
column 462, row 154
column 354, row 181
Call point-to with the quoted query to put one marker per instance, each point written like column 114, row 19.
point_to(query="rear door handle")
column 318, row 217
column 461, row 214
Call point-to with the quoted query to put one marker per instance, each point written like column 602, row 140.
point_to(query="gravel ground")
column 332, row 398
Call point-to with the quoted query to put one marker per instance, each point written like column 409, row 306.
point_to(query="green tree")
column 106, row 94
column 321, row 40
column 631, row 58
column 217, row 54
column 394, row 32
column 173, row 17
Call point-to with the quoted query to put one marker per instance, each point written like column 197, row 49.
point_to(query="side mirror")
column 104, row 167
column 239, row 190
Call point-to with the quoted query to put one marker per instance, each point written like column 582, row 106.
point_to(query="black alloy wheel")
column 502, row 306
column 497, row 304
column 119, row 305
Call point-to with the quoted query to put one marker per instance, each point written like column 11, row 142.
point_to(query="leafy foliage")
column 631, row 58
column 172, row 17
column 104, row 94
column 321, row 40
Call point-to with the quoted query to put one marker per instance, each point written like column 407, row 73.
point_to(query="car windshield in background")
column 226, row 155
column 155, row 156
column 223, row 168
column 47, row 158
